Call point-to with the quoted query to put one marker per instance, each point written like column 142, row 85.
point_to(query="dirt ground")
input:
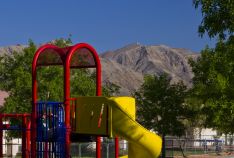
column 221, row 155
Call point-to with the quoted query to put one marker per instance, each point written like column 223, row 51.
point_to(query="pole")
column 24, row 136
column 116, row 147
column 1, row 135
column 163, row 146
column 107, row 150
column 98, row 147
column 28, row 135
column 98, row 93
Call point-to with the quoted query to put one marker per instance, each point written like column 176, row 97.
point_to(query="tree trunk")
column 225, row 139
column 181, row 148
column 163, row 146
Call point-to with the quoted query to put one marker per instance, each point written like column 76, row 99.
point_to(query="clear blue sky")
column 105, row 24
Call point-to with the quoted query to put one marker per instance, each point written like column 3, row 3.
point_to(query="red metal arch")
column 67, row 90
column 66, row 56
column 34, row 92
column 34, row 67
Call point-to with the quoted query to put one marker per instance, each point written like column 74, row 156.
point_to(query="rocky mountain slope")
column 11, row 49
column 127, row 66
column 132, row 62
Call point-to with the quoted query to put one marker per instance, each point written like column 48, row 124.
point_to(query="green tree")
column 15, row 78
column 214, row 85
column 218, row 17
column 161, row 106
column 213, row 70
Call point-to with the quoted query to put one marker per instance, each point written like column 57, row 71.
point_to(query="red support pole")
column 98, row 93
column 34, row 122
column 98, row 147
column 116, row 147
column 24, row 130
column 67, row 107
column 28, row 145
column 46, row 150
column 1, row 136
column 34, row 100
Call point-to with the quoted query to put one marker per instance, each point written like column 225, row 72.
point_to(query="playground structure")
column 53, row 123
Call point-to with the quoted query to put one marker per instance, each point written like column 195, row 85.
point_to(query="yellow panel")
column 92, row 116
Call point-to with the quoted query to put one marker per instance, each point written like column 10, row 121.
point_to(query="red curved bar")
column 67, row 91
column 34, row 94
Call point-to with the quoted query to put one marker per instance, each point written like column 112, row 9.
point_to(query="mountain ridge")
column 155, row 59
column 11, row 49
column 127, row 66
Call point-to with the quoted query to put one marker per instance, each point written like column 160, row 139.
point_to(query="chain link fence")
column 175, row 147
column 88, row 150
column 208, row 145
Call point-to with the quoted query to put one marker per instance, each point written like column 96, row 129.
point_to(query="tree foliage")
column 214, row 85
column 214, row 74
column 213, row 80
column 15, row 78
column 161, row 105
column 218, row 17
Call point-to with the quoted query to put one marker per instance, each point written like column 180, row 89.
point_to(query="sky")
column 105, row 24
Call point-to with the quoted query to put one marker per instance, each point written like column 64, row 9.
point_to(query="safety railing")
column 51, row 129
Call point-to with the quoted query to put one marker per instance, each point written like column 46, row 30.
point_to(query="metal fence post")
column 107, row 150
column 79, row 146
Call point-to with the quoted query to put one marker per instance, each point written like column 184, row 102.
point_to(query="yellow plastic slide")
column 142, row 143
column 115, row 116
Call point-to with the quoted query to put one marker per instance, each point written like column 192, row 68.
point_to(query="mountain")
column 11, row 49
column 127, row 66
column 130, row 63
column 123, row 76
column 2, row 96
